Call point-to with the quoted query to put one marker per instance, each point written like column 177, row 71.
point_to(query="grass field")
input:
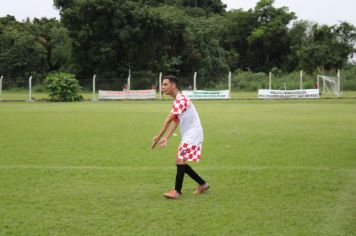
column 275, row 168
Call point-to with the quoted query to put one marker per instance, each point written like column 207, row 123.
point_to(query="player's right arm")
column 163, row 129
column 172, row 128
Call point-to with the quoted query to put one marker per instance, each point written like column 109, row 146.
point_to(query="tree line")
column 109, row 37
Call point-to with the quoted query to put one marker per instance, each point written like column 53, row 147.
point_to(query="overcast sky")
column 322, row 11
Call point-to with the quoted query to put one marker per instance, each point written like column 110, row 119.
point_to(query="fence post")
column 338, row 83
column 129, row 80
column 229, row 84
column 160, row 85
column 30, row 89
column 195, row 81
column 1, row 86
column 94, row 97
column 270, row 80
column 301, row 79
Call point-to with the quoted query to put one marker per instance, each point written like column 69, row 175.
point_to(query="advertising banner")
column 202, row 94
column 127, row 94
column 288, row 94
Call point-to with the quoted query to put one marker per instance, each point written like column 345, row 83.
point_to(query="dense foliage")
column 107, row 37
column 63, row 87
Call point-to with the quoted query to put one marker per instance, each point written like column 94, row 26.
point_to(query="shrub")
column 63, row 87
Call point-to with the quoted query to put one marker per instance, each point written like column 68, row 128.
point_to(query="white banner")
column 288, row 94
column 127, row 94
column 202, row 94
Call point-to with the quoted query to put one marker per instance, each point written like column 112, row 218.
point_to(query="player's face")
column 167, row 87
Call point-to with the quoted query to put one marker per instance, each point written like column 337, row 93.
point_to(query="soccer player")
column 183, row 113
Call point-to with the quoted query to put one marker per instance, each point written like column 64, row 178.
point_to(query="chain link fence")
column 17, row 89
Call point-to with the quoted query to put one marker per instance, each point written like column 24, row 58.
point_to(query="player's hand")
column 163, row 143
column 155, row 140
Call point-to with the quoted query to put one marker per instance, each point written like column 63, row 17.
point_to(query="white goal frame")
column 330, row 84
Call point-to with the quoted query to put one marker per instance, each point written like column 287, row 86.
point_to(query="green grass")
column 275, row 167
column 23, row 95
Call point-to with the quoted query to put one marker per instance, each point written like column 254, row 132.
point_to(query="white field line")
column 148, row 168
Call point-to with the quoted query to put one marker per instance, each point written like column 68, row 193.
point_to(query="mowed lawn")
column 275, row 168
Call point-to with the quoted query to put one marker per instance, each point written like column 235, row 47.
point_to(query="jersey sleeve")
column 180, row 104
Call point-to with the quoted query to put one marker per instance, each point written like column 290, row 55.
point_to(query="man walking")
column 183, row 113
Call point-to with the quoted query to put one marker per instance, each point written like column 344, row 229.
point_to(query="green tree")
column 32, row 47
column 111, row 36
column 54, row 37
column 269, row 41
column 21, row 53
column 238, row 26
column 257, row 39
column 326, row 47
column 209, row 56
column 209, row 6
column 298, row 38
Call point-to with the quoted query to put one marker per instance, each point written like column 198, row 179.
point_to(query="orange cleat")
column 201, row 188
column 173, row 194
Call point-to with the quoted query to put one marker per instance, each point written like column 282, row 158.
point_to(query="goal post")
column 330, row 84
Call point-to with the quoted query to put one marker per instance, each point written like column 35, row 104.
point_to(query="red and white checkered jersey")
column 189, row 121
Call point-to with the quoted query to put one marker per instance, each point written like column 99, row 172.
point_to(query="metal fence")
column 20, row 89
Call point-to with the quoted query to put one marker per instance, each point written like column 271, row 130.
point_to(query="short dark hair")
column 172, row 79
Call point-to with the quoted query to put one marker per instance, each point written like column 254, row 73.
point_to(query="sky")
column 328, row 12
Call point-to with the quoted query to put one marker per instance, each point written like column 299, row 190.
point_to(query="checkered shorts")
column 189, row 152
